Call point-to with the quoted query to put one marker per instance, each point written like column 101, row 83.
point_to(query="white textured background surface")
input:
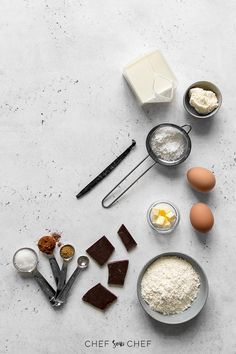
column 65, row 113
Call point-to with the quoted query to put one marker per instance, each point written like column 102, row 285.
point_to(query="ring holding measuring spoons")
column 67, row 253
column 82, row 264
column 25, row 260
column 46, row 245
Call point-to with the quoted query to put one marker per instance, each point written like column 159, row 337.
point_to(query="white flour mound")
column 170, row 285
column 168, row 143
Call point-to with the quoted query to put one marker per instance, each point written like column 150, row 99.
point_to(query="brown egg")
column 201, row 179
column 201, row 217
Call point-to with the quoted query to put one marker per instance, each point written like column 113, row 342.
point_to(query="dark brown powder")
column 46, row 244
column 56, row 236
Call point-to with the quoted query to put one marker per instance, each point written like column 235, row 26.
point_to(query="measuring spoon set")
column 56, row 298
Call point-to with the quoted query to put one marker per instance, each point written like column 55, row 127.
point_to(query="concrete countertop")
column 65, row 113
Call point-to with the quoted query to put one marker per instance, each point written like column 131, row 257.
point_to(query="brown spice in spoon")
column 46, row 244
column 67, row 251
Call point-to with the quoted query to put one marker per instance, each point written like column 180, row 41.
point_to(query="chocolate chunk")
column 99, row 297
column 117, row 272
column 101, row 250
column 126, row 238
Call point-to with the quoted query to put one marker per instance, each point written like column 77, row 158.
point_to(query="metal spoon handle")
column 44, row 285
column 62, row 278
column 55, row 268
column 61, row 298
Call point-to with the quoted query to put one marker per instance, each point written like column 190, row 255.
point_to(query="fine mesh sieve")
column 164, row 135
column 178, row 133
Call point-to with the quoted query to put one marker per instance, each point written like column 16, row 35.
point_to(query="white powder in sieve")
column 168, row 143
column 170, row 285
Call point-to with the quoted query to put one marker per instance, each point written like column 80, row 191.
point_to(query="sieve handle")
column 188, row 126
column 123, row 179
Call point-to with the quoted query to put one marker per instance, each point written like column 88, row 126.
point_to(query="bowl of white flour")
column 172, row 288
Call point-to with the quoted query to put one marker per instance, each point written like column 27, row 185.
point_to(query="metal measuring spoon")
column 55, row 267
column 66, row 260
column 42, row 282
column 83, row 263
column 49, row 253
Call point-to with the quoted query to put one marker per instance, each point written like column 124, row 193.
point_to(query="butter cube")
column 162, row 212
column 160, row 221
column 166, row 209
column 171, row 216
column 167, row 224
column 155, row 211
column 154, row 218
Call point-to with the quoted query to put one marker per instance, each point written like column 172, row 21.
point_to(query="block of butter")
column 151, row 78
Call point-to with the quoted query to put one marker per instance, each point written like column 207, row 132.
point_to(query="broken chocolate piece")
column 99, row 297
column 117, row 272
column 126, row 238
column 101, row 250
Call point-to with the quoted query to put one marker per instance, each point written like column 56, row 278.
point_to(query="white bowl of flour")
column 172, row 288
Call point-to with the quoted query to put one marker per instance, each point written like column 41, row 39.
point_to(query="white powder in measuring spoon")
column 168, row 143
column 170, row 285
column 25, row 260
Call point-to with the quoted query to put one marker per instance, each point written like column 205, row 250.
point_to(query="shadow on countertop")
column 169, row 171
column 204, row 238
column 200, row 126
column 154, row 110
column 201, row 197
column 177, row 329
